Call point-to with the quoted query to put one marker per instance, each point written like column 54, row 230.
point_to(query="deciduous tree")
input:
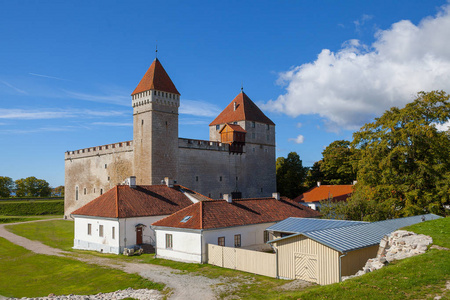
column 290, row 175
column 32, row 187
column 6, row 186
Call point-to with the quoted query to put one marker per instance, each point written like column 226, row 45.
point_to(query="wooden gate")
column 306, row 267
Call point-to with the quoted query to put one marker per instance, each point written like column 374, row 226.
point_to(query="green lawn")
column 419, row 277
column 25, row 274
column 54, row 233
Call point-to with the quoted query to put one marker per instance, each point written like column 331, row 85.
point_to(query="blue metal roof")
column 359, row 236
column 300, row 225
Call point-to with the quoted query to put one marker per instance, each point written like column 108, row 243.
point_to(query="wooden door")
column 138, row 235
column 306, row 267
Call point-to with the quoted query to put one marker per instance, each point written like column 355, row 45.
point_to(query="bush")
column 32, row 208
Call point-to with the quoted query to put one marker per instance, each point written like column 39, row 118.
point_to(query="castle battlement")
column 100, row 150
column 202, row 144
column 154, row 96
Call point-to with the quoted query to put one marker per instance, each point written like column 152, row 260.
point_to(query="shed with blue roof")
column 322, row 251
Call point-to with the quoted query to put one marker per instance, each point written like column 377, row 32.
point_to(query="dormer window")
column 185, row 219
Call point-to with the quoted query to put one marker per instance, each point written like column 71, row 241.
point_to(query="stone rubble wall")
column 142, row 294
column 398, row 245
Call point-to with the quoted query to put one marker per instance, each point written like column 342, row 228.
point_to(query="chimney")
column 131, row 181
column 228, row 198
column 235, row 105
column 276, row 196
column 169, row 182
column 318, row 183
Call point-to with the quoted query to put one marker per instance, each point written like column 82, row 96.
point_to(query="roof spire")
column 242, row 86
column 156, row 50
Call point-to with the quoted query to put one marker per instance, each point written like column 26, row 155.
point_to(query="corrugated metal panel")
column 299, row 225
column 350, row 238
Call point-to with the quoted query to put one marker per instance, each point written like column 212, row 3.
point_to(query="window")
column 266, row 236
column 89, row 229
column 268, row 137
column 100, row 230
column 106, row 165
column 196, row 178
column 221, row 241
column 76, row 193
column 101, row 191
column 253, row 124
column 85, row 191
column 220, row 178
column 217, row 127
column 185, row 219
column 142, row 122
column 268, row 127
column 235, row 123
column 169, row 242
column 261, row 190
column 109, row 178
column 154, row 93
column 253, row 135
column 113, row 233
column 237, row 240
column 253, row 150
column 220, row 195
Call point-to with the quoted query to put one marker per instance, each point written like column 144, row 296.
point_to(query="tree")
column 32, row 187
column 337, row 163
column 58, row 191
column 290, row 175
column 404, row 161
column 6, row 186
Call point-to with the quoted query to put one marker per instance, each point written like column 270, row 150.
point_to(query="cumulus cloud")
column 298, row 140
column 358, row 82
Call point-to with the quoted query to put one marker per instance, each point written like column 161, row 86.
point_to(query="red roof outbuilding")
column 324, row 192
column 220, row 213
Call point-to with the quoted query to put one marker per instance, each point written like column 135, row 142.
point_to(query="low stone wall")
column 142, row 294
column 398, row 245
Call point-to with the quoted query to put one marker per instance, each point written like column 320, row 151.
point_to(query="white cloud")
column 46, row 76
column 13, row 87
column 358, row 82
column 361, row 22
column 298, row 140
column 299, row 125
column 110, row 99
column 198, row 108
column 37, row 130
column 112, row 124
column 33, row 114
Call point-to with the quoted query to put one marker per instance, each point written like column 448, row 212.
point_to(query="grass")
column 25, row 274
column 54, row 233
column 419, row 277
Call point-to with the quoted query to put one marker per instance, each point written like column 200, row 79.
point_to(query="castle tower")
column 155, row 104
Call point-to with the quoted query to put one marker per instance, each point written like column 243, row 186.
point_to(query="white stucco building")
column 121, row 217
column 184, row 235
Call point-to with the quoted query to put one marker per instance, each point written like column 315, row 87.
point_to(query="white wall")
column 125, row 233
column 93, row 241
column 187, row 244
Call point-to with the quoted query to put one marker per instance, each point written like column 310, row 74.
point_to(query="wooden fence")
column 244, row 260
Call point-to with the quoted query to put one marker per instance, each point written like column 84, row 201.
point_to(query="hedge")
column 32, row 208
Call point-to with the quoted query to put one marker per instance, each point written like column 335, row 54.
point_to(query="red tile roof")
column 220, row 213
column 156, row 78
column 245, row 110
column 323, row 192
column 145, row 200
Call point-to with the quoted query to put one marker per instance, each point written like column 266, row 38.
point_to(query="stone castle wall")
column 94, row 171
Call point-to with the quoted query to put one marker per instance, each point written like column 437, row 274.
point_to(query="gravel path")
column 184, row 286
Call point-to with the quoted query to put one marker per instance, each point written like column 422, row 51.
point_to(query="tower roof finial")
column 156, row 50
column 242, row 86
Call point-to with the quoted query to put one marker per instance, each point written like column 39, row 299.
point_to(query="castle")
column 238, row 159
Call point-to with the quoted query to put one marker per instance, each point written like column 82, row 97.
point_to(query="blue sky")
column 318, row 69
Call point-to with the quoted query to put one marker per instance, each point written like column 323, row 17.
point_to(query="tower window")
column 154, row 93
column 220, row 178
column 253, row 124
column 101, row 191
column 268, row 126
column 253, row 135
column 85, row 191
column 106, row 165
column 76, row 193
column 196, row 178
column 217, row 127
column 142, row 122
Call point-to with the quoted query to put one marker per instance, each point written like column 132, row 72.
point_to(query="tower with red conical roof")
column 155, row 104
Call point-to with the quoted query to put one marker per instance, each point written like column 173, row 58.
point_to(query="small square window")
column 237, row 240
column 235, row 123
column 217, row 127
column 169, row 241
column 221, row 241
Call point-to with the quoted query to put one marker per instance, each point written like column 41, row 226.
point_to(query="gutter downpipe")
column 340, row 266
column 276, row 260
